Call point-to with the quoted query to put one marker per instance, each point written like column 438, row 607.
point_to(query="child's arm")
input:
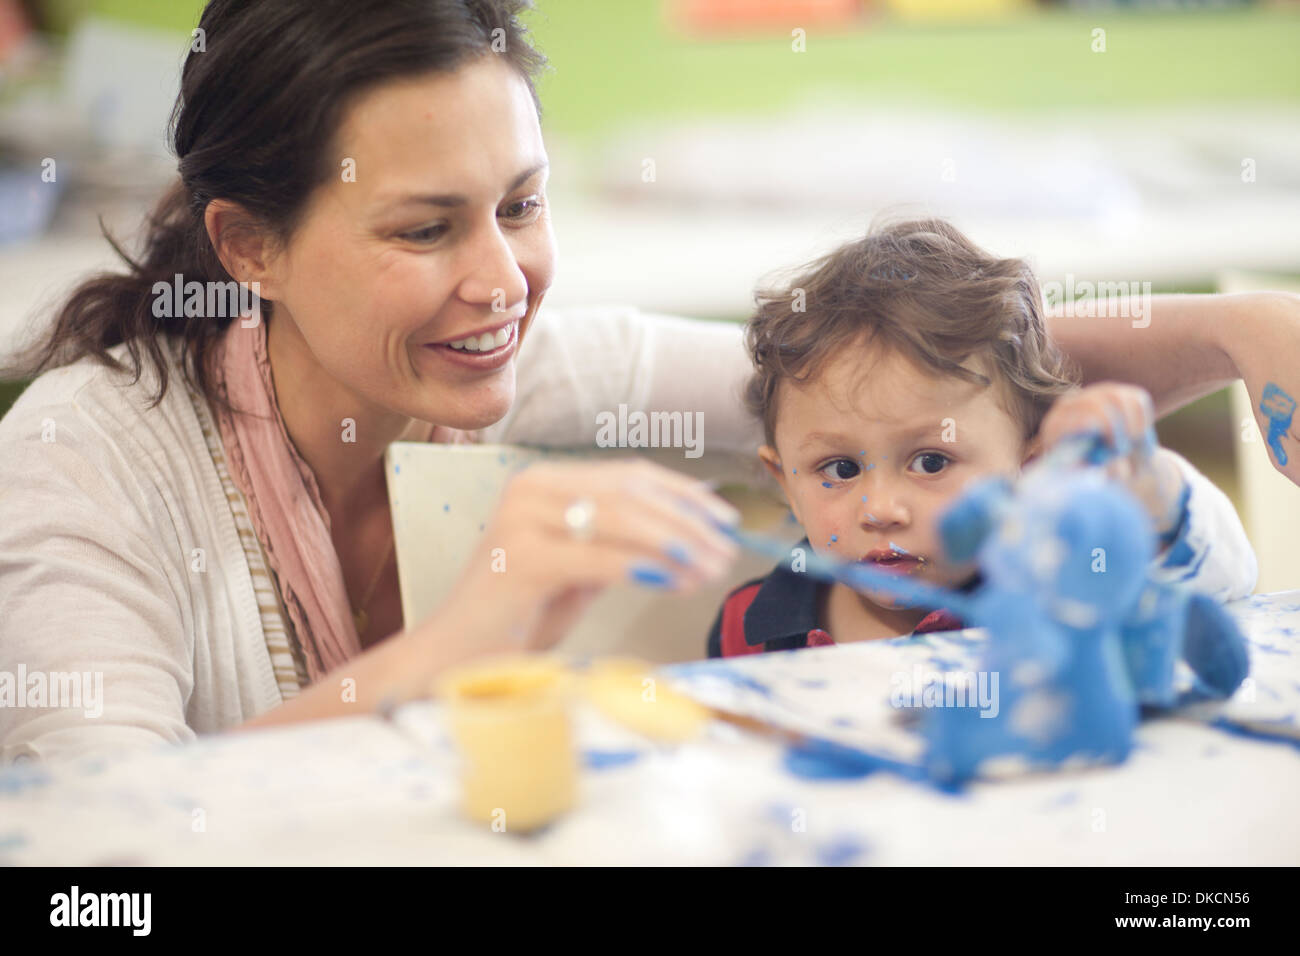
column 1202, row 541
column 1207, row 549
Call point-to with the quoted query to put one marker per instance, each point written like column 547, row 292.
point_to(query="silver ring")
column 580, row 519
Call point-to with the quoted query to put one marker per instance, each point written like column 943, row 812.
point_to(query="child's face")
column 871, row 451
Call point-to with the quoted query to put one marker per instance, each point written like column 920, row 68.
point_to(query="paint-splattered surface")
column 354, row 791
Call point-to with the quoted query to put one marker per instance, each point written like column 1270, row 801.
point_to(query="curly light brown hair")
column 921, row 287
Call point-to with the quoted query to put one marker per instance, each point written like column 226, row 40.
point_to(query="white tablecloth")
column 357, row 791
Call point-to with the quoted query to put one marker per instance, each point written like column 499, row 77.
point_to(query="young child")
column 888, row 375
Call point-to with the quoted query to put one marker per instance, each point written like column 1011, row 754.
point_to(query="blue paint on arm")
column 1278, row 407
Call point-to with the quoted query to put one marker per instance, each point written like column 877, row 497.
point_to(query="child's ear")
column 772, row 461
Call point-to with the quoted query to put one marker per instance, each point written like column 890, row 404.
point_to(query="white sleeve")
column 90, row 612
column 1211, row 552
column 576, row 363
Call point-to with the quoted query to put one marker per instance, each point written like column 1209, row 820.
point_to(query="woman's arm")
column 1192, row 345
column 1182, row 350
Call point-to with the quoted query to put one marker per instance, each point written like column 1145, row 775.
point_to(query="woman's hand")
column 533, row 573
column 1125, row 416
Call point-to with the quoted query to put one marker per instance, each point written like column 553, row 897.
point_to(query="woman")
column 211, row 532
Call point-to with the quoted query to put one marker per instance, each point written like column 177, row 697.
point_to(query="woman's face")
column 434, row 229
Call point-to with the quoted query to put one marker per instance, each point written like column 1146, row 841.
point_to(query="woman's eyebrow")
column 450, row 200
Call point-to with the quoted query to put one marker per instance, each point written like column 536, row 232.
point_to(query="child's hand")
column 1125, row 416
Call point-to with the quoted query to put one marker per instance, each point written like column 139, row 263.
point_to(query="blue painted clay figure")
column 1079, row 633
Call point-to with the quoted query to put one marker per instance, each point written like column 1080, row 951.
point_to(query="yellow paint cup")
column 509, row 719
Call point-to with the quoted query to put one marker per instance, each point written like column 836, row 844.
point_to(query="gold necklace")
column 360, row 615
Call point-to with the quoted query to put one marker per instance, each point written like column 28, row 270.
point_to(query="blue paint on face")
column 863, row 452
column 827, row 484
column 864, row 499
column 834, row 538
column 446, row 507
column 650, row 576
column 608, row 759
column 1278, row 407
column 794, row 471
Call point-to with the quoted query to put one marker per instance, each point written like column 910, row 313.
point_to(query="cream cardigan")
column 103, row 504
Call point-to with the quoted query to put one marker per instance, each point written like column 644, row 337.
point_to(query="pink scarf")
column 284, row 500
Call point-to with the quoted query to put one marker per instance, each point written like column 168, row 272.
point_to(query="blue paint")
column 869, row 467
column 734, row 677
column 650, row 575
column 834, row 538
column 446, row 507
column 17, row 778
column 608, row 759
column 823, row 760
column 677, row 551
column 814, row 758
column 827, row 484
column 864, row 499
column 397, row 469
column 840, row 852
column 1254, row 733
column 1278, row 407
column 863, row 452
column 794, row 471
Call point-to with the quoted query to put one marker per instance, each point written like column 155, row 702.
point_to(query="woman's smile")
column 484, row 350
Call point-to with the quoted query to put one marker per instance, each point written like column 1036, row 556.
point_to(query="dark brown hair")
column 923, row 288
column 257, row 112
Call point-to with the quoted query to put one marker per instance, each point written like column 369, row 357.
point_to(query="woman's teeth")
column 485, row 342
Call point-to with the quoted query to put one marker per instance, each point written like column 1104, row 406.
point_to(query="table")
column 360, row 791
